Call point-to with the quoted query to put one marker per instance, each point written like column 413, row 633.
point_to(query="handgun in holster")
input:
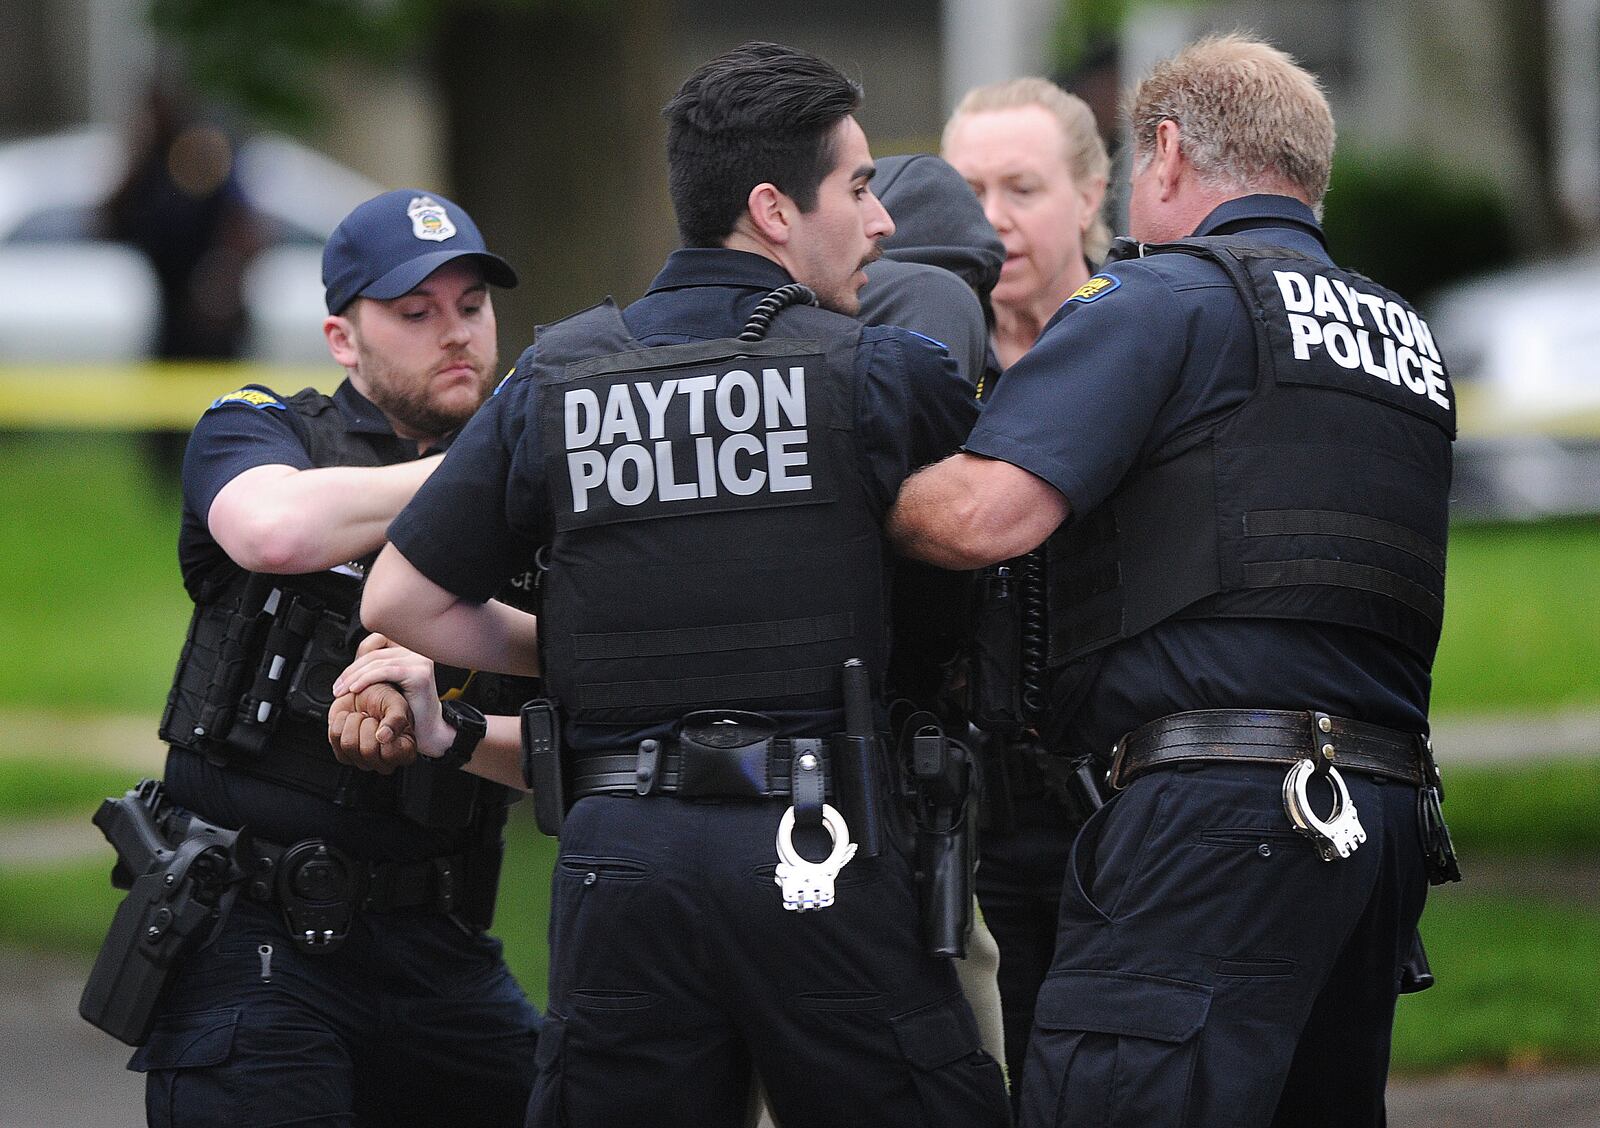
column 942, row 780
column 181, row 875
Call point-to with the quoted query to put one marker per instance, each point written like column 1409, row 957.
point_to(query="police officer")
column 352, row 982
column 709, row 513
column 1241, row 455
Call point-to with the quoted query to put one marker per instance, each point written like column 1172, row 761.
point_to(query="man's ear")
column 341, row 338
column 771, row 213
column 1169, row 158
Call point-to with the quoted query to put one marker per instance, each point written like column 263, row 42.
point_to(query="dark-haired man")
column 709, row 513
column 352, row 982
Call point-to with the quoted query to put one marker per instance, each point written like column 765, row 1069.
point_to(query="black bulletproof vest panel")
column 713, row 544
column 1323, row 497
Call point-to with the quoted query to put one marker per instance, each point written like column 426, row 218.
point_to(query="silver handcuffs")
column 1341, row 832
column 809, row 885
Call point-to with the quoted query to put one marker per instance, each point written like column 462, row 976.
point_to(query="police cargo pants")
column 674, row 969
column 413, row 1021
column 1212, row 971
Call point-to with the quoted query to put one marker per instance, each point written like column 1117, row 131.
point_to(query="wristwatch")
column 470, row 729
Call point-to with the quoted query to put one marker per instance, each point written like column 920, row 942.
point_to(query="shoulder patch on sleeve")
column 1094, row 289
column 249, row 397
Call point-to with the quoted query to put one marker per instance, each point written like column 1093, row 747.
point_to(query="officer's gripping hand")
column 387, row 711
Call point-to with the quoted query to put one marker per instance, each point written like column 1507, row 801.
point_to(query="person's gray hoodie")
column 939, row 265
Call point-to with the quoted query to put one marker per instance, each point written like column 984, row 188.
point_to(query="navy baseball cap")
column 388, row 245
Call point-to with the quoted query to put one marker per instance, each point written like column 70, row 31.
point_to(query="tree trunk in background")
column 556, row 146
column 1527, row 59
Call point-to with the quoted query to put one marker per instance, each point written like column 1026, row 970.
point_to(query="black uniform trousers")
column 675, row 969
column 412, row 1021
column 1019, row 889
column 1213, row 971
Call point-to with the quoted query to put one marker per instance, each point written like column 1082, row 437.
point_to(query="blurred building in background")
column 1469, row 136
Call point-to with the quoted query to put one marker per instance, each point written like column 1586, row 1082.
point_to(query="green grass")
column 1524, row 809
column 1522, row 618
column 92, row 610
column 1516, row 985
column 35, row 788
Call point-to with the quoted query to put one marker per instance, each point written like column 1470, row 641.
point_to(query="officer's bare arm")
column 969, row 511
column 401, row 602
column 286, row 521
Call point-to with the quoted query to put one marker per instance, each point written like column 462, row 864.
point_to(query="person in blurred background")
column 1034, row 157
column 179, row 202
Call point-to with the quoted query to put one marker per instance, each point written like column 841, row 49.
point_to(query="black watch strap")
column 470, row 728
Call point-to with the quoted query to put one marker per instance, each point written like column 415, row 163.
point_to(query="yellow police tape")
column 157, row 396
column 136, row 397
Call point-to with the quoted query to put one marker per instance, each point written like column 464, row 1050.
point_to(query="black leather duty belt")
column 1268, row 736
column 312, row 870
column 760, row 770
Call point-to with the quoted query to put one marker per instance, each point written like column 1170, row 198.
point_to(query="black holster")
column 541, row 765
column 994, row 690
column 181, row 875
column 945, row 800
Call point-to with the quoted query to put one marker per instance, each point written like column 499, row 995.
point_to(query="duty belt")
column 1268, row 736
column 319, row 888
column 760, row 770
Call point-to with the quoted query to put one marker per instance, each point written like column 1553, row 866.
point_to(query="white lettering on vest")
column 1346, row 323
column 583, row 418
column 687, row 438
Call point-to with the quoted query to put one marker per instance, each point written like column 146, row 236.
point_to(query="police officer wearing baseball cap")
column 352, row 981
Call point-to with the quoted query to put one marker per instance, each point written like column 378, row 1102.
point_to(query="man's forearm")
column 285, row 521
column 401, row 602
column 968, row 512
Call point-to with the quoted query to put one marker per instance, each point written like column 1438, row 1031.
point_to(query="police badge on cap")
column 429, row 220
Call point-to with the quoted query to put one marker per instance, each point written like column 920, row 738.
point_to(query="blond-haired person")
column 1034, row 156
column 1240, row 454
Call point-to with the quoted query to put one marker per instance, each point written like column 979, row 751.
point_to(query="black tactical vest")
column 1323, row 497
column 214, row 708
column 713, row 544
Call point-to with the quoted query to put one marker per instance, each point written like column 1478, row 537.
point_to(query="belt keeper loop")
column 648, row 767
column 1322, row 750
column 807, row 787
column 1114, row 775
column 1427, row 766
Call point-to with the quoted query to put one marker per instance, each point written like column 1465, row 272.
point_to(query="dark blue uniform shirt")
column 1130, row 377
column 239, row 434
column 485, row 512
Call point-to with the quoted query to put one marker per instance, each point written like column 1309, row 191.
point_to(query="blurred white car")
column 69, row 296
column 1524, row 352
